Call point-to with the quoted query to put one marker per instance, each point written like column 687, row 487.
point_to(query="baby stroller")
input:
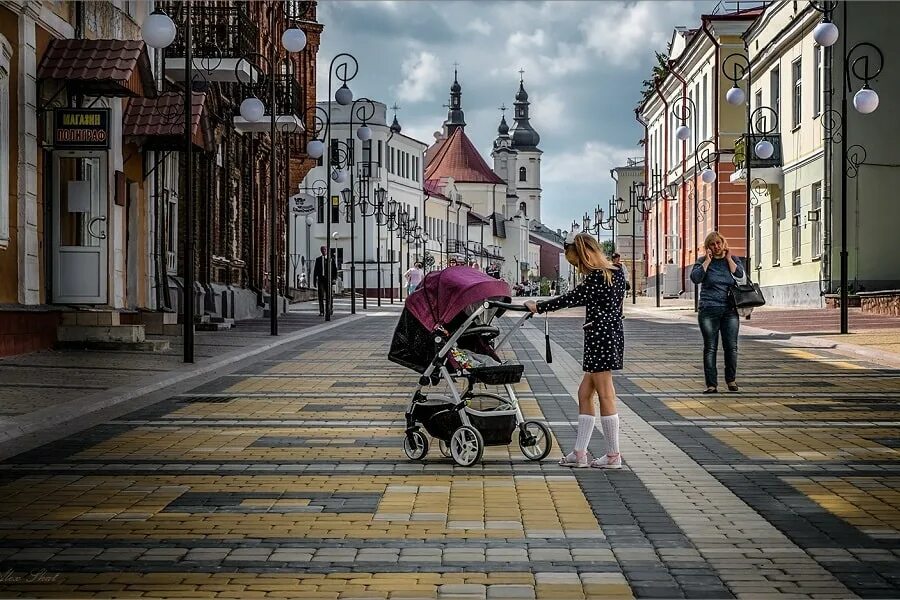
column 445, row 333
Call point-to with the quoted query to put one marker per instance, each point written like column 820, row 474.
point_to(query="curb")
column 880, row 357
column 33, row 424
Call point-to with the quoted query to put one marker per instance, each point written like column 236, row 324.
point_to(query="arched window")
column 523, row 208
column 522, row 174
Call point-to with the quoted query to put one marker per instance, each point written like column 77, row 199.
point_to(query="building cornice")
column 786, row 38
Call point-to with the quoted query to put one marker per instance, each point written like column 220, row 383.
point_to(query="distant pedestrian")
column 715, row 272
column 601, row 293
column 617, row 261
column 321, row 283
column 413, row 278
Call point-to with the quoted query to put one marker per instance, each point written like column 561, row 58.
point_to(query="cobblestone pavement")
column 287, row 479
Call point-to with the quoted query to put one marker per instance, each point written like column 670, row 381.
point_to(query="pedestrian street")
column 287, row 478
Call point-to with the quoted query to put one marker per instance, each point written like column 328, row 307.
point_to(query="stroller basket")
column 498, row 375
column 496, row 427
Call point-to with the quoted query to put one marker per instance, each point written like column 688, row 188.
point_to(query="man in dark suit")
column 320, row 281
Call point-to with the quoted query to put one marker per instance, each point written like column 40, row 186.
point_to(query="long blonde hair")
column 586, row 255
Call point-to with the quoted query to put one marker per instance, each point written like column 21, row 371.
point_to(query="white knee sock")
column 585, row 429
column 610, row 426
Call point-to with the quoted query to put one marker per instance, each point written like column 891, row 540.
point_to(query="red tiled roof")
column 458, row 158
column 434, row 188
column 100, row 67
column 162, row 118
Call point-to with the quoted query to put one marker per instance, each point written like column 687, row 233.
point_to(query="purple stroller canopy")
column 445, row 293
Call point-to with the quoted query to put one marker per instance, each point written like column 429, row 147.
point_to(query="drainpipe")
column 666, row 133
column 684, row 147
column 447, row 235
column 715, row 107
column 639, row 119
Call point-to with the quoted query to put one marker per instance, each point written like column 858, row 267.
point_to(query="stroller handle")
column 506, row 306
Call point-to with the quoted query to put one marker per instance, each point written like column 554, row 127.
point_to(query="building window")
column 817, row 80
column 335, row 209
column 335, row 152
column 777, row 216
column 757, row 235
column 523, row 174
column 391, row 160
column 705, row 113
column 320, row 209
column 380, row 148
column 367, row 153
column 775, row 91
column 5, row 56
column 817, row 220
column 795, row 225
column 797, row 77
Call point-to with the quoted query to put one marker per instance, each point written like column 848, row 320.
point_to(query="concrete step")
column 100, row 333
column 213, row 326
column 91, row 318
column 144, row 346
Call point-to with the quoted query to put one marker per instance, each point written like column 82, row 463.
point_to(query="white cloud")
column 421, row 73
column 590, row 164
column 548, row 113
column 621, row 31
column 479, row 25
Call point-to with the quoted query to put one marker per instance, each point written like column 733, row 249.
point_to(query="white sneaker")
column 607, row 462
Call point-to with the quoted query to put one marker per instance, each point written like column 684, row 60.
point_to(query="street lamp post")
column 392, row 224
column 863, row 62
column 706, row 154
column 344, row 67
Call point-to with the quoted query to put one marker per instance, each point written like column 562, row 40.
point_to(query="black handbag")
column 746, row 295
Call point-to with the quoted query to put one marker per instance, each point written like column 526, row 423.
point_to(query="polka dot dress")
column 604, row 338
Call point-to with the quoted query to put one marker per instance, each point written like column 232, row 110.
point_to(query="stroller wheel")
column 444, row 448
column 466, row 446
column 418, row 448
column 534, row 440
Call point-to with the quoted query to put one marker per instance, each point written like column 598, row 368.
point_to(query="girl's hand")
column 531, row 305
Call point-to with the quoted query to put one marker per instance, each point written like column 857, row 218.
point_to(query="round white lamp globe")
column 708, row 176
column 158, row 30
column 252, row 109
column 315, row 148
column 343, row 96
column 865, row 101
column 335, row 236
column 825, row 34
column 310, row 220
column 683, row 133
column 293, row 39
column 339, row 175
column 735, row 96
column 764, row 149
column 364, row 133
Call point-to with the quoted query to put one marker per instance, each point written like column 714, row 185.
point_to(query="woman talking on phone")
column 716, row 272
column 601, row 294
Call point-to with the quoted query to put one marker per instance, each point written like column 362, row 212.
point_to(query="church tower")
column 525, row 142
column 505, row 164
column 456, row 119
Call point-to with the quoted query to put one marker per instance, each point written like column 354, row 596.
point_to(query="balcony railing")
column 740, row 154
column 218, row 31
column 288, row 95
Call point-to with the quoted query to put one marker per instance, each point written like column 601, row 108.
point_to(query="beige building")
column 628, row 236
column 796, row 223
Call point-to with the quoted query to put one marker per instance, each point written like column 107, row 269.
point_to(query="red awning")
column 99, row 67
column 159, row 122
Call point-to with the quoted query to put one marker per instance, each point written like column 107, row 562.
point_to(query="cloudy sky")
column 584, row 63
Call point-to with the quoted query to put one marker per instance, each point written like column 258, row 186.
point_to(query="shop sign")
column 81, row 128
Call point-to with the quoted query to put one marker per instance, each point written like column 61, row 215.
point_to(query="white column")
column 26, row 198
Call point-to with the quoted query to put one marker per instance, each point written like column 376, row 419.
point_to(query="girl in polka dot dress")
column 601, row 293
